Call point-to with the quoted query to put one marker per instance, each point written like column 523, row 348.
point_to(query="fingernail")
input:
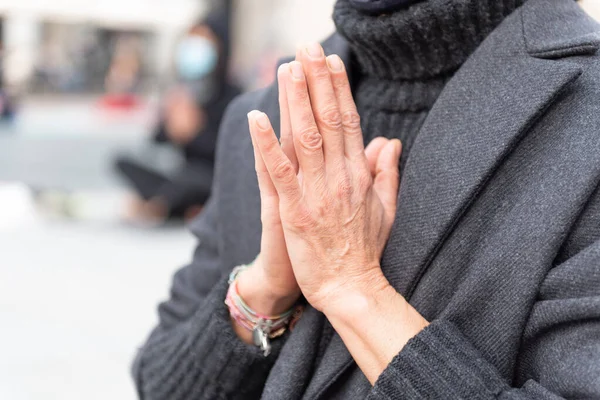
column 398, row 147
column 282, row 68
column 314, row 50
column 296, row 69
column 335, row 63
column 253, row 117
column 262, row 120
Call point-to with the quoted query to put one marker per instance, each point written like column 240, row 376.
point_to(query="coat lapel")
column 482, row 114
column 476, row 122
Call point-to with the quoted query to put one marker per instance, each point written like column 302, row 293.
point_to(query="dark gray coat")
column 496, row 241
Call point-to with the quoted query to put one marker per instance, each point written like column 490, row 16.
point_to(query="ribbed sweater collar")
column 430, row 39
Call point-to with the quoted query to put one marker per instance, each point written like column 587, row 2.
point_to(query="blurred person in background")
column 480, row 280
column 190, row 120
column 7, row 102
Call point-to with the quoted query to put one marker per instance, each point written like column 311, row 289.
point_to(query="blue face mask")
column 196, row 58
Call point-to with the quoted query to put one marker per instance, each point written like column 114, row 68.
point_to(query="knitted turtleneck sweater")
column 404, row 59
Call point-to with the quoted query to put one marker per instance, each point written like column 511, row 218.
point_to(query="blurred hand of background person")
column 184, row 119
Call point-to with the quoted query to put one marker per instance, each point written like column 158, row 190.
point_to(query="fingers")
column 286, row 139
column 279, row 167
column 372, row 153
column 269, row 199
column 308, row 141
column 324, row 104
column 265, row 183
column 386, row 180
column 353, row 138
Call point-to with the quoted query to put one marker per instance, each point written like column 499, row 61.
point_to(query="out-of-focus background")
column 80, row 83
column 78, row 287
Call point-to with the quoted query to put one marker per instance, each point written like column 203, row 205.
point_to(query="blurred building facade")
column 60, row 44
column 268, row 29
column 32, row 31
column 265, row 30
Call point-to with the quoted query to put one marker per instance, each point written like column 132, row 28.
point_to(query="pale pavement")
column 76, row 296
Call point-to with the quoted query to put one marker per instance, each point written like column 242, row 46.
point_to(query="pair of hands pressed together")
column 327, row 208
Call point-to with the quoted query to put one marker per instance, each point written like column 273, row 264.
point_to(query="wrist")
column 359, row 297
column 261, row 295
column 375, row 322
column 372, row 301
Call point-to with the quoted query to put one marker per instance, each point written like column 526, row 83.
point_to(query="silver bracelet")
column 263, row 327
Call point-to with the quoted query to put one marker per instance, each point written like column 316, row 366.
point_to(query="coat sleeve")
column 559, row 357
column 194, row 352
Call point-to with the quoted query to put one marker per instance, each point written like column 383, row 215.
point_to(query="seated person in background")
column 7, row 102
column 191, row 117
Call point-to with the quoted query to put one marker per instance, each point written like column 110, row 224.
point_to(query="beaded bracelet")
column 263, row 327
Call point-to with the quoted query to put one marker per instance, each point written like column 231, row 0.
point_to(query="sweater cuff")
column 204, row 356
column 222, row 356
column 437, row 363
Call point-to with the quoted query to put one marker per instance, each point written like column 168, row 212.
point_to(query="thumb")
column 373, row 151
column 387, row 176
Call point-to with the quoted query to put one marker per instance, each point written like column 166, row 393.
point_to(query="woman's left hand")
column 337, row 209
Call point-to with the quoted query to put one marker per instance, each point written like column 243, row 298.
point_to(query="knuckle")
column 381, row 178
column 344, row 188
column 323, row 209
column 364, row 180
column 351, row 121
column 302, row 221
column 330, row 118
column 388, row 176
column 319, row 70
column 299, row 90
column 283, row 171
column 271, row 146
column 340, row 82
column 311, row 139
